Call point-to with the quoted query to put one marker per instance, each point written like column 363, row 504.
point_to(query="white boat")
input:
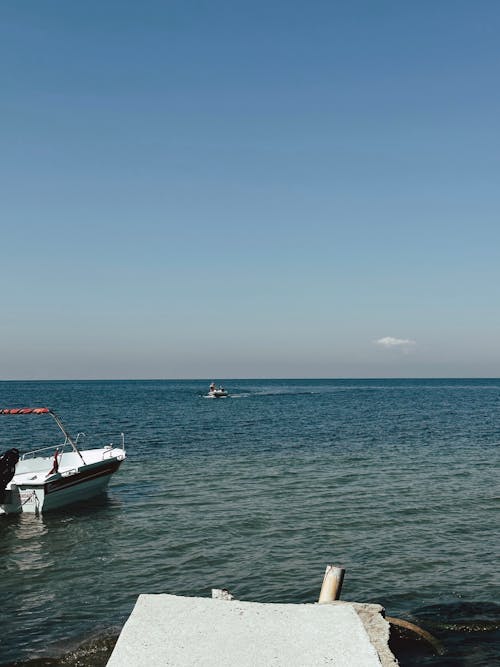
column 56, row 476
column 217, row 392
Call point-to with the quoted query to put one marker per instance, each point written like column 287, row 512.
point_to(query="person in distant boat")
column 212, row 386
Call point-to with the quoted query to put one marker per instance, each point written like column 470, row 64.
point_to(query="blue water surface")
column 395, row 480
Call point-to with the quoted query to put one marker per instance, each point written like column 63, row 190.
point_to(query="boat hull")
column 62, row 489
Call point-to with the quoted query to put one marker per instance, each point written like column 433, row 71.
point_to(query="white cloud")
column 390, row 341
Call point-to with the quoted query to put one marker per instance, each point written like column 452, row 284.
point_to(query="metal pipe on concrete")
column 332, row 584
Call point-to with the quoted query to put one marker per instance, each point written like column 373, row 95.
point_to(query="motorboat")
column 217, row 392
column 56, row 476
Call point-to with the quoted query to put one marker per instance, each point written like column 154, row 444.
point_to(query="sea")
column 396, row 481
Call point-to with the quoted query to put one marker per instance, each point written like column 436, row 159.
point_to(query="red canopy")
column 24, row 411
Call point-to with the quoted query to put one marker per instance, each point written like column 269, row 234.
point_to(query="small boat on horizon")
column 217, row 392
column 55, row 476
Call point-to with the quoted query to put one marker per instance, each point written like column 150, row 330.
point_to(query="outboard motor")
column 7, row 469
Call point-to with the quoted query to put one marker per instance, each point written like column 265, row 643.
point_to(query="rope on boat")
column 26, row 500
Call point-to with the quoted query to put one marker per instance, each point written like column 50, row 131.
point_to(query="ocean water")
column 394, row 480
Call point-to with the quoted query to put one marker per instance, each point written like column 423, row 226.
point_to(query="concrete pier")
column 183, row 631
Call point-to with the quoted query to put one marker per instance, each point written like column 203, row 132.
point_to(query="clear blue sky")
column 219, row 189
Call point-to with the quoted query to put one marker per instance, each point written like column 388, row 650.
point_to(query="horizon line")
column 289, row 379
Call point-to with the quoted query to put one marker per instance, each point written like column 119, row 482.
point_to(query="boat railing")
column 34, row 452
column 108, row 450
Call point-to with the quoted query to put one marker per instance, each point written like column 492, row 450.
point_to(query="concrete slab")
column 174, row 631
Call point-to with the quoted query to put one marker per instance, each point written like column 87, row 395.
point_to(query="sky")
column 225, row 189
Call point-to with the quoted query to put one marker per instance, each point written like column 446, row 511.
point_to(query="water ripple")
column 394, row 480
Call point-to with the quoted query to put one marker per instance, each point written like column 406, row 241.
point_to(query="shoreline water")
column 410, row 651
